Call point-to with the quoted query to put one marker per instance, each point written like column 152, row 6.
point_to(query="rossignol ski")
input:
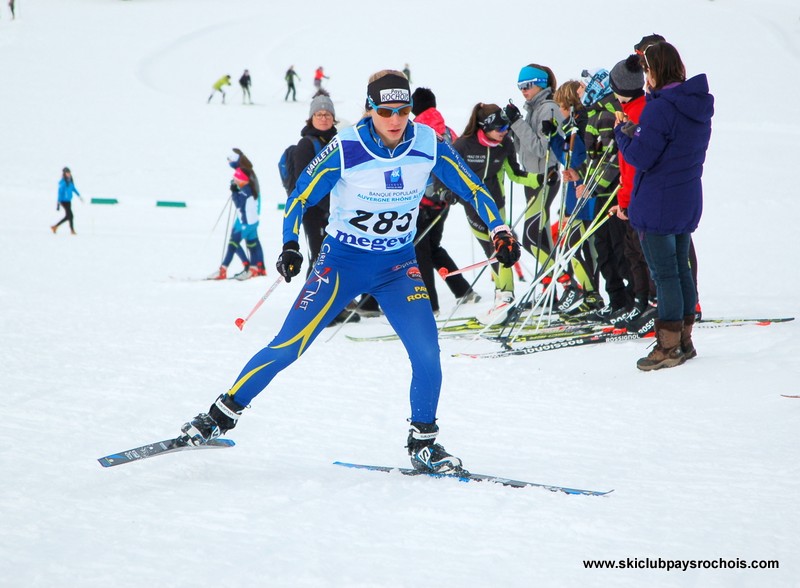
column 581, row 341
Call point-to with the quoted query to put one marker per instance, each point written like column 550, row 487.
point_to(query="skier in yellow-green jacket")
column 217, row 87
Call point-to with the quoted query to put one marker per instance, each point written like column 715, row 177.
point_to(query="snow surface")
column 107, row 345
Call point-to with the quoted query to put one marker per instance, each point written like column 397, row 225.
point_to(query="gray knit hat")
column 627, row 77
column 321, row 102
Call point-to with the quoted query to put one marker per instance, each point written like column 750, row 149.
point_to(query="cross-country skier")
column 489, row 152
column 532, row 137
column 290, row 88
column 218, row 87
column 245, row 82
column 376, row 173
column 238, row 160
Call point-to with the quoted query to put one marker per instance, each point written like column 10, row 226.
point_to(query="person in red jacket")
column 433, row 210
column 319, row 75
column 627, row 82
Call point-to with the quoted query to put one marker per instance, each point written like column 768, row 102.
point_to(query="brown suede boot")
column 686, row 337
column 667, row 352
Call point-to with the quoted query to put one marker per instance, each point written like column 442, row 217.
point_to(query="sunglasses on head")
column 388, row 112
column 643, row 54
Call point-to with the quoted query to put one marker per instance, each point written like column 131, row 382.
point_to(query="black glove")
column 549, row 129
column 234, row 188
column 290, row 260
column 512, row 113
column 506, row 247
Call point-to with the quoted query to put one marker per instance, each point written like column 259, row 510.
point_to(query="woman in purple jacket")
column 668, row 149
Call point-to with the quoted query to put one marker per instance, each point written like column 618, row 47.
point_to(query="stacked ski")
column 470, row 327
column 605, row 337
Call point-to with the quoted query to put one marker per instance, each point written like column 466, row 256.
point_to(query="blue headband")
column 534, row 75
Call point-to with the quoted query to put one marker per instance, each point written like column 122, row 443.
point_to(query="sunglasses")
column 528, row 84
column 388, row 112
column 502, row 129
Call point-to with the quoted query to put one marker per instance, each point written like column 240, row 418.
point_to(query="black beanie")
column 423, row 99
column 389, row 88
column 627, row 77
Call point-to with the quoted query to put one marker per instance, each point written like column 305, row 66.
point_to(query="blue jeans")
column 668, row 259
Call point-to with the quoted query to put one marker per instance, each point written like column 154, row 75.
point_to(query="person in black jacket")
column 489, row 152
column 245, row 82
column 317, row 132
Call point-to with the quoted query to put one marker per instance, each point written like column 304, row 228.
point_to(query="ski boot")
column 497, row 315
column 427, row 456
column 220, row 274
column 245, row 274
column 220, row 418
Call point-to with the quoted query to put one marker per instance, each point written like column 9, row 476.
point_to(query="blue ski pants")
column 340, row 274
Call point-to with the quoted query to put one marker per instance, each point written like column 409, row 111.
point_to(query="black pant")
column 609, row 241
column 67, row 206
column 643, row 286
column 314, row 222
column 290, row 90
column 431, row 255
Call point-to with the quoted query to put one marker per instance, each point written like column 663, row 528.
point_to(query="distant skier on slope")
column 217, row 87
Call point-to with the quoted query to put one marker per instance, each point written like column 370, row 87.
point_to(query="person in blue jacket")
column 66, row 188
column 239, row 161
column 246, row 203
column 376, row 173
column 668, row 148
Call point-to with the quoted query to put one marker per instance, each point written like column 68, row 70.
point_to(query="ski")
column 760, row 322
column 191, row 279
column 566, row 332
column 470, row 477
column 580, row 341
column 159, row 448
column 791, row 395
column 562, row 320
column 556, row 328
column 493, row 334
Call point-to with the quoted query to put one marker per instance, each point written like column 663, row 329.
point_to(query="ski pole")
column 467, row 268
column 228, row 202
column 228, row 225
column 241, row 321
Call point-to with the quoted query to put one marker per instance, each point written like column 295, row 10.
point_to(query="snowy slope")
column 106, row 344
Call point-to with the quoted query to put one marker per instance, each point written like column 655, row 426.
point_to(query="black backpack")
column 286, row 166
